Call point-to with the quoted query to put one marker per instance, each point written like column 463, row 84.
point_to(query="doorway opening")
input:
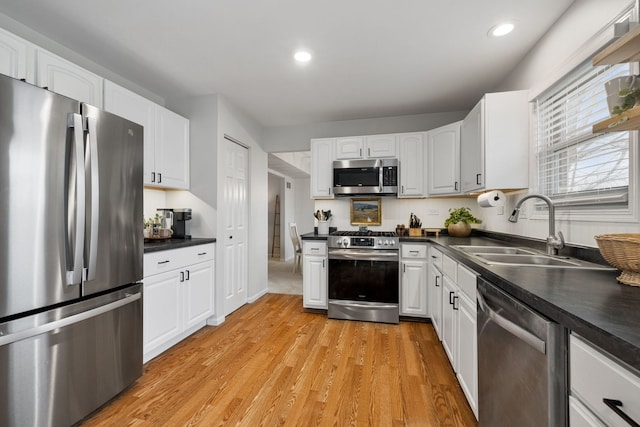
column 289, row 202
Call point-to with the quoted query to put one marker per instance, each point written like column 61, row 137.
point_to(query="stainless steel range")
column 364, row 276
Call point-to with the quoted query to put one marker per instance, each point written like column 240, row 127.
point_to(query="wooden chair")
column 297, row 245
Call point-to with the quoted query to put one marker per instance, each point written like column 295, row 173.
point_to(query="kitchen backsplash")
column 432, row 212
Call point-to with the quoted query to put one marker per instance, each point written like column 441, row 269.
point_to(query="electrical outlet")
column 434, row 211
column 500, row 210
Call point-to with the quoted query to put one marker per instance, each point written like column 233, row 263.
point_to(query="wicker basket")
column 623, row 252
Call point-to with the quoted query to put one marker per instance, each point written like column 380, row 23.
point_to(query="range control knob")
column 386, row 243
column 379, row 241
column 392, row 242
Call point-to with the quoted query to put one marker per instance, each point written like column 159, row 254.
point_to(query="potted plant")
column 458, row 223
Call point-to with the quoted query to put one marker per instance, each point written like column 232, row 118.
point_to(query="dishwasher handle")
column 511, row 327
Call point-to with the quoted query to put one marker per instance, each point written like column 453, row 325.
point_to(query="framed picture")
column 366, row 211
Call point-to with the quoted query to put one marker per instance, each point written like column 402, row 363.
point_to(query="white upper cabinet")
column 171, row 150
column 166, row 136
column 366, row 147
column 61, row 76
column 494, row 143
column 351, row 147
column 322, row 168
column 16, row 57
column 443, row 160
column 411, row 159
column 380, row 146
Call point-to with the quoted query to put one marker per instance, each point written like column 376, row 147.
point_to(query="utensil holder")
column 323, row 227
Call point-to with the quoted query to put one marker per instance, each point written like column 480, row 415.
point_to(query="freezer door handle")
column 76, row 318
column 511, row 327
column 74, row 276
column 95, row 199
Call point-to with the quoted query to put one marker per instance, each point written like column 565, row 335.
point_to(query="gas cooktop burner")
column 367, row 233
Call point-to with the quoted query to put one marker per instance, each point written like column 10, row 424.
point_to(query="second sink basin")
column 493, row 249
column 528, row 259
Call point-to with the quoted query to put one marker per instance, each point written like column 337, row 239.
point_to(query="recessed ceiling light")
column 501, row 29
column 302, row 56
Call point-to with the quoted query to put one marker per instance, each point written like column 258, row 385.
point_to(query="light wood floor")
column 272, row 364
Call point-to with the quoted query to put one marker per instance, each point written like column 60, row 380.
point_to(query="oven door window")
column 364, row 280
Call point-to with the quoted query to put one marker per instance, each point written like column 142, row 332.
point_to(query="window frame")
column 577, row 212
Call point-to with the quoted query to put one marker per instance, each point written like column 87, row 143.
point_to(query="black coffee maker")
column 181, row 226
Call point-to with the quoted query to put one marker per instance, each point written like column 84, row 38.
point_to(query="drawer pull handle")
column 455, row 298
column 615, row 406
column 315, row 249
column 451, row 294
column 437, row 277
column 414, row 252
column 202, row 253
column 163, row 262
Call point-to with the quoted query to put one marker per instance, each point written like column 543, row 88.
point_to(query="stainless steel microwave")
column 377, row 177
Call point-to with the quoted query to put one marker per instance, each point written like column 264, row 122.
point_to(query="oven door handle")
column 365, row 256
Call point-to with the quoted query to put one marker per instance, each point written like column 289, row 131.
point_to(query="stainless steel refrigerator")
column 71, row 250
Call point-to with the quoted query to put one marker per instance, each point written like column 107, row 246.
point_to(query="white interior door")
column 235, row 206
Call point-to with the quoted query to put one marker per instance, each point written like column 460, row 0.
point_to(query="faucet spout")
column 554, row 243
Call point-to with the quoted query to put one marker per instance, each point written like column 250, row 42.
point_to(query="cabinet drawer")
column 159, row 262
column 450, row 268
column 435, row 257
column 414, row 251
column 315, row 248
column 596, row 376
column 467, row 281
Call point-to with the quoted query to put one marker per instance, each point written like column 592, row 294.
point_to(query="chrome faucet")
column 554, row 243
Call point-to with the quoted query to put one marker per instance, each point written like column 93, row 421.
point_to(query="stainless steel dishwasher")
column 521, row 363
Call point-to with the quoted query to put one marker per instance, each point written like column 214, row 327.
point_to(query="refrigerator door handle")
column 95, row 199
column 76, row 318
column 74, row 276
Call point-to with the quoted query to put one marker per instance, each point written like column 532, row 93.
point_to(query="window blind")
column 577, row 168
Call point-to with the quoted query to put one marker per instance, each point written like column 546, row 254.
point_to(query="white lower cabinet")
column 467, row 344
column 435, row 289
column 459, row 326
column 314, row 275
column 178, row 296
column 413, row 282
column 598, row 385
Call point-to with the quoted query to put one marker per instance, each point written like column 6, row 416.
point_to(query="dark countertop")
column 176, row 243
column 590, row 302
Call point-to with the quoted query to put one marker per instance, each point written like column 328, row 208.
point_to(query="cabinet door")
column 472, row 148
column 380, row 146
column 314, row 282
column 411, row 158
column 63, row 77
column 14, row 57
column 350, row 148
column 198, row 293
column 134, row 107
column 161, row 312
column 322, row 168
column 413, row 289
column 443, row 159
column 435, row 298
column 450, row 320
column 171, row 150
column 468, row 350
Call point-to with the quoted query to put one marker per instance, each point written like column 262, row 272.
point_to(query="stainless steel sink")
column 493, row 249
column 519, row 259
column 525, row 257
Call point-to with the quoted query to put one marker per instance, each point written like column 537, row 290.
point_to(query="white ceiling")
column 372, row 58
